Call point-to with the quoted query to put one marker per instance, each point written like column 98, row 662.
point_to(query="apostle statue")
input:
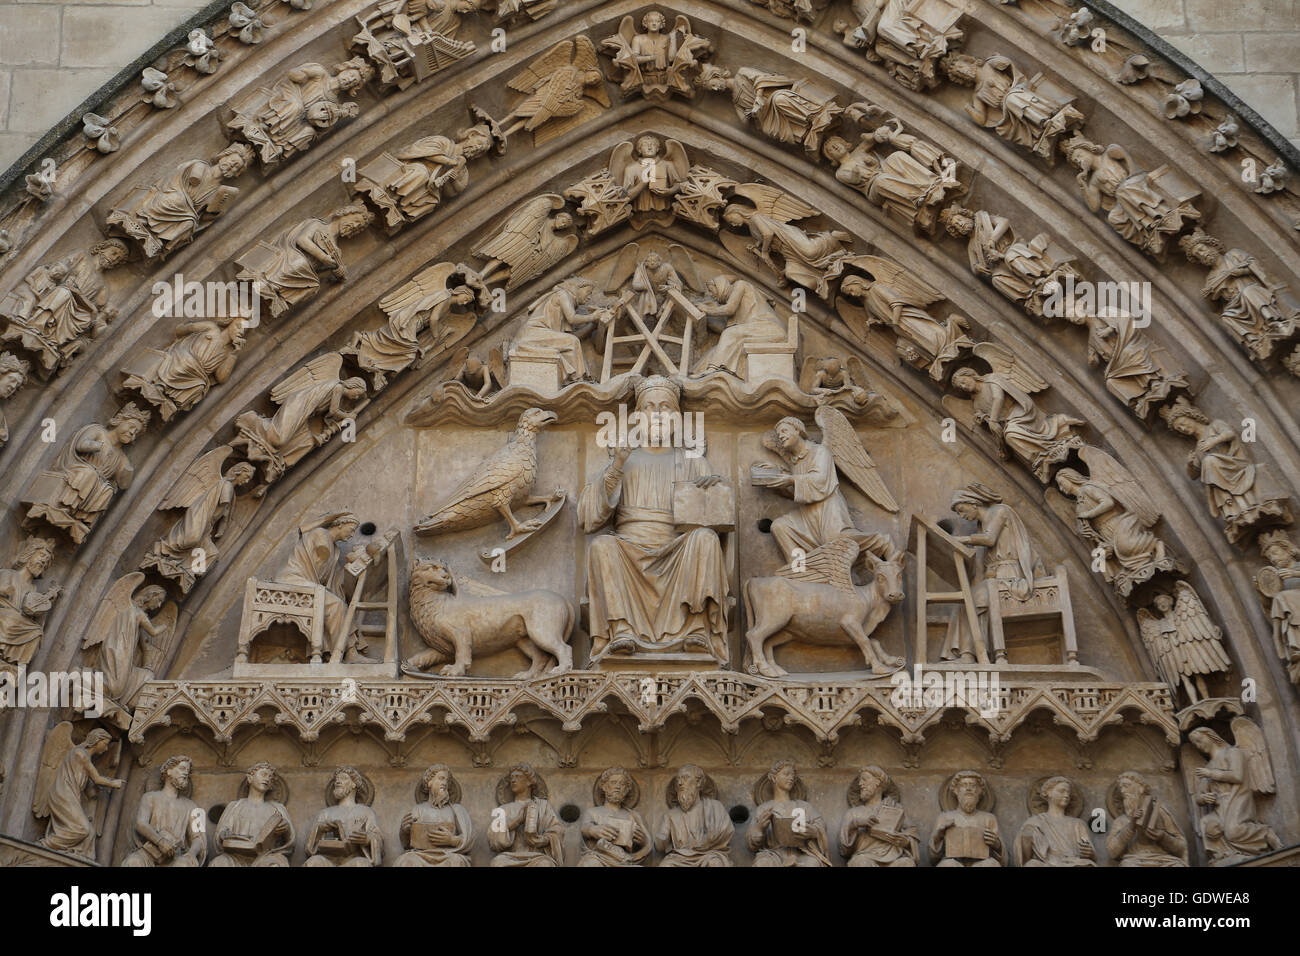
column 787, row 829
column 346, row 832
column 696, row 830
column 1144, row 832
column 651, row 585
column 169, row 828
column 202, row 354
column 525, row 829
column 875, row 831
column 255, row 829
column 613, row 833
column 966, row 833
column 1054, row 835
column 438, row 830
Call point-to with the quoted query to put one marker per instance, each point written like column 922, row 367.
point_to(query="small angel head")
column 654, row 22
column 240, row 473
column 354, row 388
column 836, row 148
column 150, row 599
column 1163, row 602
column 562, row 220
column 737, row 215
column 97, row 741
column 1206, row 741
column 790, row 432
column 966, row 379
column 1070, row 481
column 653, row 261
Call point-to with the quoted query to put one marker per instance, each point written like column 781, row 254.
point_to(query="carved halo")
column 365, row 789
column 504, row 793
column 454, row 793
column 762, row 790
column 708, row 790
column 888, row 787
column 1037, row 803
column 277, row 792
column 633, row 789
column 948, row 802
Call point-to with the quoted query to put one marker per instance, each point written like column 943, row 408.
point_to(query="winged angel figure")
column 654, row 63
column 528, row 245
column 565, row 89
column 119, row 645
column 1004, row 404
column 1116, row 514
column 282, row 440
column 1184, row 643
column 812, row 481
column 810, row 260
column 1226, row 788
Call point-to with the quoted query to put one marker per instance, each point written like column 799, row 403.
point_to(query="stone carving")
column 164, row 216
column 912, row 182
column 1272, row 179
column 202, row 354
column 640, row 184
column 563, row 89
column 1029, row 273
column 804, row 10
column 346, row 832
column 101, row 133
column 1236, row 488
column 410, row 40
column 1138, row 372
column 1113, row 512
column 750, row 320
column 202, row 53
column 1031, row 111
column 544, row 354
column 66, row 789
column 285, row 272
column 656, row 64
column 787, row 829
column 1054, row 835
column 1251, row 308
column 793, row 111
column 22, row 606
column 1184, row 99
column 909, row 37
column 1146, row 208
column 1076, row 30
column 696, row 830
column 13, row 376
column 1144, row 832
column 169, row 829
column 525, row 830
column 875, row 831
column 830, row 377
column 500, row 483
column 966, row 832
column 528, row 245
column 248, row 23
column 255, row 828
column 415, row 180
column 59, row 306
column 160, row 91
column 1224, row 136
column 1226, row 788
column 812, row 260
column 459, row 618
column 518, row 9
column 422, row 319
column 1279, row 584
column 437, row 831
column 1003, row 403
column 207, row 496
column 314, row 562
column 302, row 106
column 1183, row 642
column 87, row 474
column 281, row 441
column 477, row 375
column 118, row 642
column 613, row 833
column 893, row 297
column 652, row 584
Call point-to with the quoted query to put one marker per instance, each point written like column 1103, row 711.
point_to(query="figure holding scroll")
column 787, row 830
column 966, row 834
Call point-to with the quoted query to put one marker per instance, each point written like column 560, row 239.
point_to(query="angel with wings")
column 893, row 297
column 1184, row 643
column 477, row 375
column 207, row 496
column 527, row 246
column 1116, row 514
column 424, row 302
column 1004, row 405
column 67, row 788
column 810, row 260
column 1226, row 788
column 654, row 63
column 118, row 643
column 282, row 440
column 813, row 481
column 564, row 89
column 55, row 309
column 651, row 173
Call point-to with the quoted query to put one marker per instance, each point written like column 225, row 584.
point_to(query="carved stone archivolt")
column 788, row 332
